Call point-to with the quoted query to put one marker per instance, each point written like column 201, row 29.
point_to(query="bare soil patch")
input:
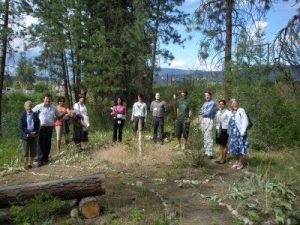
column 155, row 184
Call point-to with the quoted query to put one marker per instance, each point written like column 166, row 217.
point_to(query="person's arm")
column 133, row 111
column 36, row 123
column 112, row 111
column 146, row 112
column 190, row 114
column 37, row 108
column 151, row 107
column 209, row 110
column 22, row 129
column 165, row 106
column 244, row 121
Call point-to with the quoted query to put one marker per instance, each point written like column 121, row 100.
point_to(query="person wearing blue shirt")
column 207, row 114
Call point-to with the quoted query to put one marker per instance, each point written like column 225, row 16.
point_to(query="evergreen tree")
column 221, row 21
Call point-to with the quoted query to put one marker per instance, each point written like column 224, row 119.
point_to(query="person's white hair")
column 28, row 103
column 234, row 100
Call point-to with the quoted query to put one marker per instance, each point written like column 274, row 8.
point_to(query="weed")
column 39, row 210
column 136, row 214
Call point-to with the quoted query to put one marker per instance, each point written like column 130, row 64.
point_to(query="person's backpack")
column 250, row 124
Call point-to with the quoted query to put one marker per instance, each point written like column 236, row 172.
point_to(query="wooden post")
column 140, row 136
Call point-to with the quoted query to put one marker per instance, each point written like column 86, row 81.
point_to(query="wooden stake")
column 140, row 136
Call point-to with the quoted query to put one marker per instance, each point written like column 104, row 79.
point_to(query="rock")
column 171, row 213
column 74, row 212
column 139, row 184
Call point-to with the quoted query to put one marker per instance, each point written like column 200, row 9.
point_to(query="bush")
column 40, row 210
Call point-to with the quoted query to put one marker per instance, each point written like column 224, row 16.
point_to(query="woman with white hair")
column 238, row 140
column 29, row 125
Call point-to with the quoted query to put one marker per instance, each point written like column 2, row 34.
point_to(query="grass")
column 279, row 166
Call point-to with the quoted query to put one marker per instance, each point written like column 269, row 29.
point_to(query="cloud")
column 258, row 27
column 178, row 64
column 191, row 1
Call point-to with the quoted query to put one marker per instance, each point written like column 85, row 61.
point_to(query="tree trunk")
column 154, row 50
column 64, row 74
column 89, row 207
column 227, row 73
column 71, row 188
column 3, row 56
column 68, row 81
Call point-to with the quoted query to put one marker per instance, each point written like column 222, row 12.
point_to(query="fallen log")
column 89, row 207
column 70, row 188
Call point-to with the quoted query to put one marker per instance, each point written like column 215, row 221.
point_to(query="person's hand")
column 131, row 119
column 145, row 120
column 174, row 97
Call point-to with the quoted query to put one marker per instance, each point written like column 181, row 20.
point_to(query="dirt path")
column 158, row 184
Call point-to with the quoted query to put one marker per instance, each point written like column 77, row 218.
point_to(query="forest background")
column 105, row 49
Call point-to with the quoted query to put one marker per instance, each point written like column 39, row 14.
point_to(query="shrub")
column 39, row 210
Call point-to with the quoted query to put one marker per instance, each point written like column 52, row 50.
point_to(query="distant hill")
column 169, row 75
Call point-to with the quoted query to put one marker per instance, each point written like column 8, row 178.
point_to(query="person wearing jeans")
column 119, row 113
column 158, row 108
column 47, row 115
column 207, row 113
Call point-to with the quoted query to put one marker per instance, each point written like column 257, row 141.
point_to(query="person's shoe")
column 210, row 157
column 239, row 167
column 234, row 166
column 161, row 143
column 183, row 146
column 39, row 164
column 218, row 162
column 178, row 146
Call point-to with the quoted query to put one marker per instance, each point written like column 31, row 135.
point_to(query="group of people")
column 231, row 129
column 36, row 125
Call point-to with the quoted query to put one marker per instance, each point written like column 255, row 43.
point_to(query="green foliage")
column 161, row 222
column 40, row 210
column 25, row 72
column 262, row 200
column 136, row 214
column 271, row 107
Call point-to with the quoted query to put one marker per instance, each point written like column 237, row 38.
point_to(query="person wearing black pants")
column 118, row 113
column 118, row 130
column 158, row 108
column 45, row 136
column 158, row 123
column 47, row 115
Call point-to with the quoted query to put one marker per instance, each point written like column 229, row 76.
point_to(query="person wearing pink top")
column 119, row 113
column 61, row 123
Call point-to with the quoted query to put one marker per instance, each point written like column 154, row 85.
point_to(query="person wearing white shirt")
column 238, row 140
column 222, row 119
column 139, row 111
column 81, row 122
column 47, row 115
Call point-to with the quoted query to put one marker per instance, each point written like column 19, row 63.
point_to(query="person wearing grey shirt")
column 158, row 109
column 47, row 115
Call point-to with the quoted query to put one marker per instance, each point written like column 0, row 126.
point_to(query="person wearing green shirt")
column 184, row 113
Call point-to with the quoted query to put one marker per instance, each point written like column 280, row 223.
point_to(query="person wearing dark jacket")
column 29, row 125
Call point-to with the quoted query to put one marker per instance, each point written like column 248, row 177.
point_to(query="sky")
column 187, row 57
